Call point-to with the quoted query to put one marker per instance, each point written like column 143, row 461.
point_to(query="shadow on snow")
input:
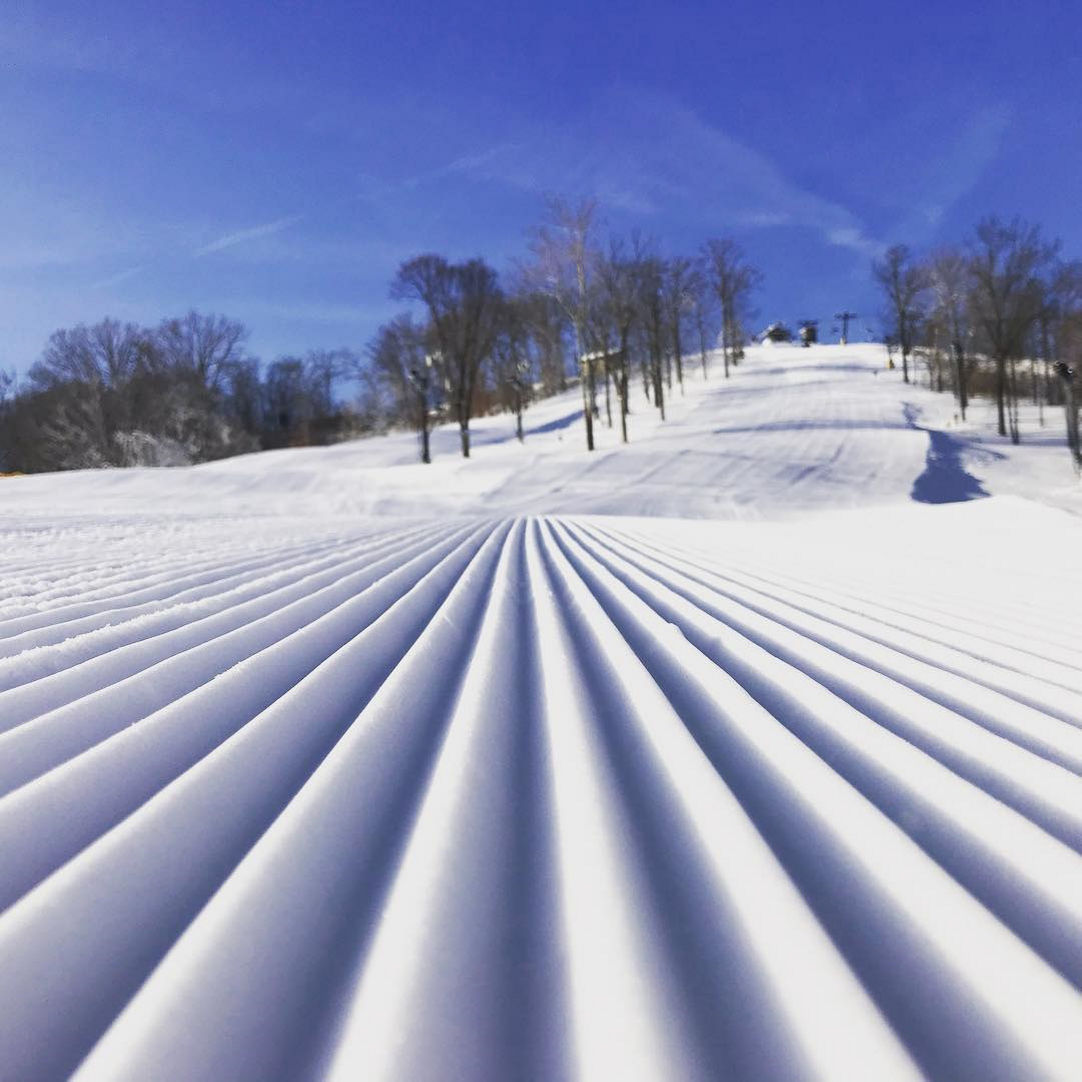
column 945, row 478
column 830, row 425
column 555, row 425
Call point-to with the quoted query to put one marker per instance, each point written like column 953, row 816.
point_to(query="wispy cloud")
column 957, row 172
column 470, row 163
column 854, row 239
column 241, row 236
column 647, row 154
column 116, row 279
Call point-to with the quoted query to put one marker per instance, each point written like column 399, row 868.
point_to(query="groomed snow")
column 752, row 750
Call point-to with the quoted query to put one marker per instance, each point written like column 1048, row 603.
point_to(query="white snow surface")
column 750, row 750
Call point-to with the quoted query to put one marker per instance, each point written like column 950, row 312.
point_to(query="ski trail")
column 293, row 791
column 167, row 864
column 1017, row 869
column 942, row 946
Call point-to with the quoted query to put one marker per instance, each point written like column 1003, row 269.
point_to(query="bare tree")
column 703, row 301
column 402, row 366
column 9, row 413
column 904, row 283
column 734, row 280
column 7, row 386
column 90, row 372
column 1060, row 321
column 1068, row 378
column 563, row 266
column 512, row 362
column 106, row 354
column 620, row 274
column 463, row 302
column 651, row 278
column 116, row 394
column 1064, row 339
column 948, row 275
column 324, row 368
column 546, row 328
column 679, row 274
column 242, row 404
column 1006, row 260
column 932, row 336
column 208, row 346
column 286, row 401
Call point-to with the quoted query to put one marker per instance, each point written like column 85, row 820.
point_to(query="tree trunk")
column 608, row 401
column 659, row 391
column 1001, row 394
column 622, row 384
column 1044, row 375
column 1012, row 392
column 960, row 369
column 588, row 413
column 425, row 454
column 726, row 338
column 587, row 390
column 678, row 349
column 623, row 380
column 1070, row 406
column 465, row 401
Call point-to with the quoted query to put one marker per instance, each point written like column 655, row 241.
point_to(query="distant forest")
column 1000, row 314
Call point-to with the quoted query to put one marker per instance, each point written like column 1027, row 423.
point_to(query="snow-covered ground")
column 750, row 750
column 793, row 430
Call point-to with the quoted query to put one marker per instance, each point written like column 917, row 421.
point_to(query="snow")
column 750, row 750
column 794, row 430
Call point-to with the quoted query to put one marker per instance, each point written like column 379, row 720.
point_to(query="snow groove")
column 542, row 798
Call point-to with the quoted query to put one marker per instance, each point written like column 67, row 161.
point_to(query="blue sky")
column 275, row 162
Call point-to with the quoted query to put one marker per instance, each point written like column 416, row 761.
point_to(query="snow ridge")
column 529, row 798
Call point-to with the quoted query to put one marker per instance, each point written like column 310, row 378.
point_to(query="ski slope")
column 793, row 431
column 752, row 750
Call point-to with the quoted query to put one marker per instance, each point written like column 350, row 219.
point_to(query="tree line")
column 580, row 307
column 999, row 314
column 185, row 391
column 598, row 310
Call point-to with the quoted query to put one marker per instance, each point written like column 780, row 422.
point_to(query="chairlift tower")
column 845, row 317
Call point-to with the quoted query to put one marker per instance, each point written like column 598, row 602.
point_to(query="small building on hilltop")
column 776, row 332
